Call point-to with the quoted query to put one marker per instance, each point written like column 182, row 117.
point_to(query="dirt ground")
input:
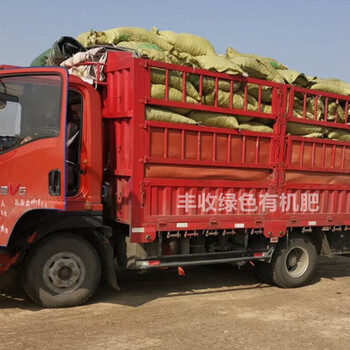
column 215, row 307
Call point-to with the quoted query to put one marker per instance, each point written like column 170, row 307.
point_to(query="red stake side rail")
column 317, row 166
column 155, row 168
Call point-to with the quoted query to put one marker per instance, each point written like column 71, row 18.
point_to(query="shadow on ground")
column 140, row 288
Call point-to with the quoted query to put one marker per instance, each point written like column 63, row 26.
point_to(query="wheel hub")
column 292, row 260
column 297, row 262
column 64, row 272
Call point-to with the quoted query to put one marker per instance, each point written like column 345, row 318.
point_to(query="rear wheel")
column 293, row 266
column 61, row 271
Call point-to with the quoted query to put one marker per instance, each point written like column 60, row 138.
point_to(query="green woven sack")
column 41, row 60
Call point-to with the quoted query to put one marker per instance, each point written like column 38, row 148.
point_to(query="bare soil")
column 215, row 307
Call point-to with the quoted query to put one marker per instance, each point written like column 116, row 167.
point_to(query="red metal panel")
column 195, row 145
column 317, row 166
column 145, row 152
column 155, row 163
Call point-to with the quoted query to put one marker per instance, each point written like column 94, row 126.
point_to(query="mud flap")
column 106, row 254
column 109, row 271
column 326, row 249
column 7, row 260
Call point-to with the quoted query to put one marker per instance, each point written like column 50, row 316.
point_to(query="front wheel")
column 61, row 271
column 293, row 266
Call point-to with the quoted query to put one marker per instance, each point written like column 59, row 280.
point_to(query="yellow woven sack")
column 237, row 101
column 333, row 109
column 185, row 42
column 168, row 35
column 309, row 112
column 333, row 86
column 147, row 50
column 163, row 115
column 218, row 64
column 252, row 66
column 257, row 69
column 242, row 119
column 116, row 35
column 158, row 92
column 255, row 126
column 305, row 129
column 266, row 109
column 215, row 119
column 193, row 44
column 294, row 78
column 180, row 58
column 340, row 135
column 315, row 135
column 231, row 53
column 209, row 84
column 266, row 92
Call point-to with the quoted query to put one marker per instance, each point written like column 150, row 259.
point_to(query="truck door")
column 32, row 143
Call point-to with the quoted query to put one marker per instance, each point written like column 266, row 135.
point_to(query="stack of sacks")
column 334, row 107
column 191, row 50
column 309, row 108
column 335, row 86
column 316, row 131
column 175, row 93
column 260, row 68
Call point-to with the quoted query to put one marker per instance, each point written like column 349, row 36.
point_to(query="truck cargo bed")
column 178, row 177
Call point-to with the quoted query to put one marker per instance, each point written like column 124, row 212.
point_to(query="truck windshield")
column 29, row 109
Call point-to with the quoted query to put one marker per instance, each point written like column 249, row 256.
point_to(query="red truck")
column 88, row 183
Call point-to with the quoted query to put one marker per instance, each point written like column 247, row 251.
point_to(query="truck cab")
column 51, row 161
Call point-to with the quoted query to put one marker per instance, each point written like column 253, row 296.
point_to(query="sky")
column 310, row 36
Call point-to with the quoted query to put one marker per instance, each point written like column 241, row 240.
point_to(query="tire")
column 63, row 270
column 293, row 266
column 262, row 271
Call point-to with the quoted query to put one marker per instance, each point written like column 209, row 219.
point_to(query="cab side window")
column 29, row 109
